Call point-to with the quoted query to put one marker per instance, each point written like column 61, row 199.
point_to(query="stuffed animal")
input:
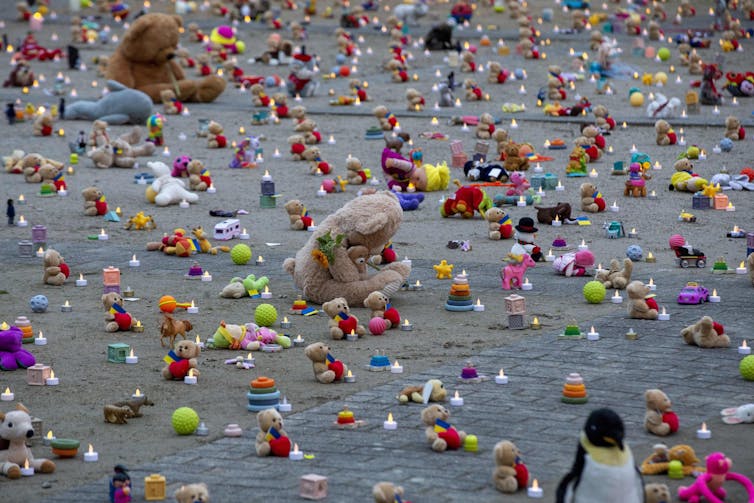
column 577, row 160
column 591, row 199
column 499, row 224
column 386, row 118
column 547, row 215
column 272, row 440
column 116, row 317
column 415, row 100
column 297, row 215
column 120, row 105
column 199, row 176
column 658, row 462
column 510, row 473
column 145, row 60
column 371, row 221
column 733, row 129
column 659, row 419
column 636, row 185
column 602, row 117
column 439, row 433
column 308, row 128
column 684, row 179
column 638, row 302
column 42, row 124
column 706, row 333
column 665, row 134
column 170, row 104
column 166, row 190
column 486, row 126
column 500, row 136
column 513, row 159
column 468, row 65
column 750, row 267
column 615, row 278
column 20, row 76
column 555, row 84
column 180, row 360
column 232, row 336
column 39, row 173
column 16, row 429
column 94, row 202
column 594, row 139
column 120, row 154
column 56, row 271
column 342, row 322
column 326, row 368
column 472, row 91
column 355, row 173
column 573, row 263
column 379, row 303
column 656, row 493
column 301, row 79
column 416, row 394
column 215, row 137
column 12, row 355
column 466, row 200
column 387, row 492
column 496, row 73
column 708, row 93
column 520, row 184
column 192, row 493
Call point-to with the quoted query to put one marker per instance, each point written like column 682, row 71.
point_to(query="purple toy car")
column 693, row 293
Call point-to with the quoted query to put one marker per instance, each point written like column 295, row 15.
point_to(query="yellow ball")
column 661, row 78
column 636, row 99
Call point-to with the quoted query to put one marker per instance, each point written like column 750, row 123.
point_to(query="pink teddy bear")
column 710, row 485
column 520, row 184
column 180, row 167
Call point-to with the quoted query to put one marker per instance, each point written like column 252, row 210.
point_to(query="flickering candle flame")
column 616, row 294
column 191, row 373
column 526, row 281
column 21, row 219
column 513, row 123
column 197, row 340
column 535, row 321
column 704, row 426
column 49, row 433
column 91, row 449
column 501, row 374
column 7, row 390
column 650, row 256
column 651, row 281
column 624, row 125
column 743, row 345
column 21, row 198
column 192, row 303
column 266, row 289
column 592, row 330
column 396, row 364
column 456, row 395
column 741, row 265
column 535, row 484
column 67, row 304
column 26, row 464
column 52, row 374
column 714, row 292
column 241, row 130
column 248, row 357
column 138, row 323
column 132, row 351
column 138, row 392
column 583, row 243
column 390, row 417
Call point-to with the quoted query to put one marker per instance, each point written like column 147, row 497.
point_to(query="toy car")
column 693, row 293
column 688, row 255
column 686, row 217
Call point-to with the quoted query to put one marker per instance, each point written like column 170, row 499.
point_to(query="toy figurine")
column 710, row 485
column 154, row 126
column 243, row 156
column 10, row 113
column 10, row 212
column 120, row 485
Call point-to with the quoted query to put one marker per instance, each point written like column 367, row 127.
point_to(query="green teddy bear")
column 244, row 287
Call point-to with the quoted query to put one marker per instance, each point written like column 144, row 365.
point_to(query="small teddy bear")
column 272, row 440
column 43, row 125
column 215, row 137
column 116, row 317
column 56, row 270
column 181, row 360
column 706, row 333
column 595, row 40
column 639, row 301
column 439, row 433
column 308, row 128
column 199, row 176
column 665, row 134
column 513, row 160
column 416, row 394
column 297, row 215
column 379, row 303
column 555, row 84
column 496, row 73
column 656, row 493
column 591, row 199
column 387, row 119
column 733, row 129
column 659, row 419
column 341, row 321
column 602, row 118
column 192, row 493
column 94, row 202
column 501, row 137
column 472, row 90
column 415, row 100
column 170, row 103
column 615, row 278
column 258, row 97
column 468, row 65
column 387, row 492
column 510, row 473
column 355, row 173
column 499, row 224
column 298, row 146
column 326, row 368
column 486, row 126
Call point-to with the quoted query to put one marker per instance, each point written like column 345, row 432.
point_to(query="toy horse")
column 513, row 273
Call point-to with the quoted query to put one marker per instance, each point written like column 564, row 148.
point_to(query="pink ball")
column 377, row 326
column 676, row 240
column 329, row 185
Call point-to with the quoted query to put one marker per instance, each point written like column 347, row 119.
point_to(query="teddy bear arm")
column 388, row 281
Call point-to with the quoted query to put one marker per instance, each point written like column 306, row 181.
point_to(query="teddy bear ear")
column 427, row 392
column 178, row 20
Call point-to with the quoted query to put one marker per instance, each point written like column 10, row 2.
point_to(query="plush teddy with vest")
column 641, row 303
column 272, row 440
column 56, row 271
column 327, row 368
column 591, row 199
column 659, row 419
column 181, row 360
column 706, row 333
column 342, row 322
column 380, row 305
column 665, row 134
column 298, row 216
column 439, row 432
column 94, row 202
column 116, row 317
column 733, row 129
column 510, row 473
column 15, row 430
column 499, row 224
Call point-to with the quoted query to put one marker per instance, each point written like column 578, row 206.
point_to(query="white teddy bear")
column 166, row 190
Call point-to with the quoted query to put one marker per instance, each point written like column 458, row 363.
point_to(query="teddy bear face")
column 192, row 493
column 353, row 164
column 506, row 453
column 732, row 123
column 657, row 400
column 91, row 193
column 269, row 418
column 335, row 306
column 637, row 290
column 52, row 258
column 683, row 165
column 376, row 301
column 294, row 207
column 317, row 352
column 587, row 189
column 152, row 38
column 215, row 128
column 494, row 214
column 111, row 298
column 433, row 413
column 305, row 126
column 656, row 493
column 187, row 349
column 662, row 126
column 511, row 150
column 486, row 118
column 380, row 111
column 310, row 154
column 167, row 95
column 256, row 89
column 195, row 167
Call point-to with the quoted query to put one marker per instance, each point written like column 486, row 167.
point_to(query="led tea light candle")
column 7, row 395
column 535, row 324
column 40, row 252
column 91, row 456
column 190, row 378
column 199, row 342
column 321, row 192
column 350, row 378
column 501, row 378
column 652, row 195
column 244, row 235
column 730, row 207
column 66, row 307
column 132, row 359
column 615, row 208
column 714, row 297
column 331, row 140
column 682, row 141
column 166, row 151
column 102, row 236
column 538, row 168
column 652, row 286
column 295, row 454
column 406, row 326
column 616, row 298
column 353, row 336
column 478, row 307
column 514, row 124
column 593, row 173
column 526, row 285
column 40, row 340
column 138, row 396
column 610, row 150
column 465, row 127
column 663, row 315
column 456, row 400
column 703, row 433
column 743, row 349
column 138, row 328
column 193, row 308
column 26, row 470
column 184, row 204
column 541, row 193
column 285, row 405
column 285, row 324
column 521, row 203
column 52, row 380
column 522, row 89
column 741, row 269
column 396, row 368
column 47, row 439
column 21, row 200
column 651, row 258
column 583, row 246
column 702, row 155
column 633, row 149
column 22, row 222
column 206, row 277
column 632, row 233
column 266, row 293
column 549, row 257
column 559, row 187
column 416, row 286
column 134, row 262
column 534, row 491
column 390, row 424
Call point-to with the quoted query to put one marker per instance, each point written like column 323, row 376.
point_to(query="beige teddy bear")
column 342, row 322
column 637, row 304
column 116, row 317
column 98, row 135
column 595, row 40
column 42, row 124
column 169, row 102
column 415, row 394
column 468, row 65
column 501, row 137
column 555, row 90
column 486, row 126
column 40, row 173
column 355, row 173
column 308, row 128
column 266, row 419
column 120, row 154
column 662, row 128
column 92, row 196
column 385, row 118
column 215, row 137
column 440, row 440
column 658, row 404
column 733, row 129
column 199, row 179
column 415, row 100
column 496, row 224
column 656, row 493
column 185, row 361
column 513, row 161
column 615, row 278
column 387, row 492
column 472, row 90
column 192, row 493
column 325, row 371
column 379, row 303
column 589, row 202
column 296, row 211
column 703, row 334
column 55, row 268
column 504, row 479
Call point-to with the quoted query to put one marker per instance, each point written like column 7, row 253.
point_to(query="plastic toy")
column 512, row 275
column 140, row 222
column 185, row 420
column 443, row 270
column 168, row 304
column 38, row 303
column 746, row 368
column 685, row 253
column 594, row 292
column 170, row 328
column 709, row 484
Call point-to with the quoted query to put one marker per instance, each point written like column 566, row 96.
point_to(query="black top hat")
column 526, row 224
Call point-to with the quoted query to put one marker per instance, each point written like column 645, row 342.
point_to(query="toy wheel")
column 700, row 263
column 684, row 263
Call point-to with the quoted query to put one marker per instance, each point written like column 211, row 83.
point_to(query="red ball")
column 377, row 326
column 344, row 71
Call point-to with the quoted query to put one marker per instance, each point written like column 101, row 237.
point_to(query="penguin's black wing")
column 573, row 477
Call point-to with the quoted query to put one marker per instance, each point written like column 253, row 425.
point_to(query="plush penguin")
column 604, row 468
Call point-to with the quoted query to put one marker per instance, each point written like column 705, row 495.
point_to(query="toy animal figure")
column 117, row 415
column 513, row 273
column 710, row 485
column 636, row 183
column 203, row 245
column 141, row 222
column 709, row 95
column 300, row 81
column 738, row 415
column 170, row 328
column 135, row 405
column 15, row 430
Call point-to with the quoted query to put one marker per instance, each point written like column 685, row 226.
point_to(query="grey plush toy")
column 121, row 105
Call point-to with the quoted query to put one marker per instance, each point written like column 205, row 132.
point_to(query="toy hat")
column 303, row 56
column 526, row 224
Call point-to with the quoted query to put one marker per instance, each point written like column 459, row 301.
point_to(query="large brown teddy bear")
column 637, row 303
column 658, row 418
column 614, row 277
column 326, row 368
column 342, row 322
column 591, row 199
column 116, row 317
column 145, row 60
column 56, row 270
column 279, row 445
column 441, row 440
column 509, row 474
column 705, row 334
column 370, row 221
column 181, row 360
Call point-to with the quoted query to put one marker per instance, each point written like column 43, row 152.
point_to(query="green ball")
column 265, row 315
column 240, row 254
column 185, row 420
column 594, row 292
column 663, row 54
column 746, row 367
